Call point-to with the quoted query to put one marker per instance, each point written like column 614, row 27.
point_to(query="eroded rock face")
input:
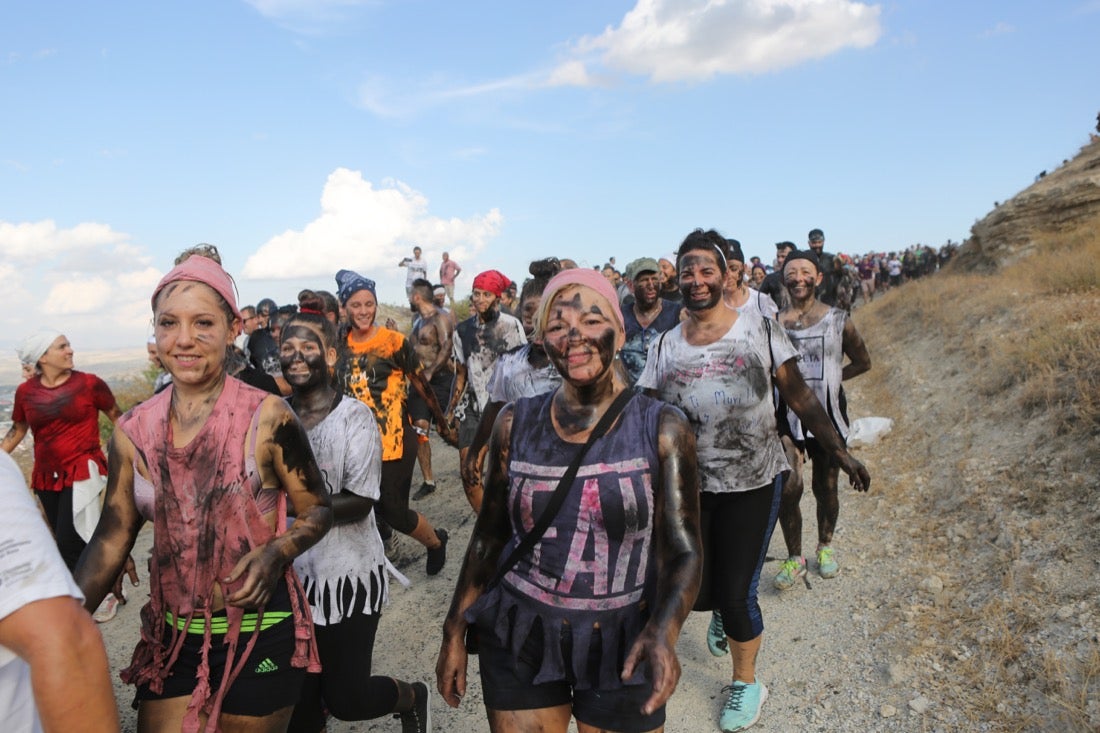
column 1056, row 202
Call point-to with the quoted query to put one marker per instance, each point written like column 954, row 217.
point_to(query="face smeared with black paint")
column 192, row 332
column 483, row 301
column 801, row 278
column 581, row 335
column 701, row 279
column 304, row 359
column 528, row 309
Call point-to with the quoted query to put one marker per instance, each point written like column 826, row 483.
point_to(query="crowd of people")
column 627, row 441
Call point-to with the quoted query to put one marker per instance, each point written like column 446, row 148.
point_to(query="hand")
column 663, row 664
column 857, row 473
column 260, row 569
column 448, row 433
column 391, row 324
column 450, row 670
column 129, row 569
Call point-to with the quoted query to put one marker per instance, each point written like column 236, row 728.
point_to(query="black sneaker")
column 437, row 557
column 419, row 719
column 424, row 490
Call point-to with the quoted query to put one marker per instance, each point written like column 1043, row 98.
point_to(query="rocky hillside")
column 1058, row 201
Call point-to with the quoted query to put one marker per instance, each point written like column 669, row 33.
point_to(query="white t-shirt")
column 725, row 389
column 418, row 270
column 348, row 449
column 513, row 377
column 31, row 570
column 759, row 303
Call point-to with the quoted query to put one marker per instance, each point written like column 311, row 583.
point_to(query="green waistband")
column 220, row 624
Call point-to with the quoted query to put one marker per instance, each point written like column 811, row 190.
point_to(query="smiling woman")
column 61, row 407
column 212, row 463
column 569, row 631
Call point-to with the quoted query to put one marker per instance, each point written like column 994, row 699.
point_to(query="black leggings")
column 58, row 506
column 345, row 687
column 396, row 483
column 736, row 528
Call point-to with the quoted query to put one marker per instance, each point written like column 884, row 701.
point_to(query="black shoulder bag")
column 556, row 500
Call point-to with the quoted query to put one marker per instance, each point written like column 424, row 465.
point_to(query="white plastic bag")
column 867, row 430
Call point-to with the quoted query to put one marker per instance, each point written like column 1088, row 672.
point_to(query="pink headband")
column 579, row 276
column 197, row 268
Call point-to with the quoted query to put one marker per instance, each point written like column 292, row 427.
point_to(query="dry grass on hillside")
column 995, row 384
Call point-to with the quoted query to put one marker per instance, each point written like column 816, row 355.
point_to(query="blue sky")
column 302, row 137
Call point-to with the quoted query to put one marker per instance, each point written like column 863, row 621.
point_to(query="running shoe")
column 419, row 719
column 826, row 562
column 425, row 489
column 716, row 636
column 793, row 568
column 742, row 708
column 437, row 557
column 108, row 607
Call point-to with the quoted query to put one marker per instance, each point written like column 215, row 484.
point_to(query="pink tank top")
column 205, row 518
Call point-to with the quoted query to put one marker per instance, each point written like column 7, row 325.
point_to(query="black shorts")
column 508, row 686
column 266, row 683
column 441, row 388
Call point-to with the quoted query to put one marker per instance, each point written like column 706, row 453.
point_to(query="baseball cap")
column 816, row 235
column 640, row 265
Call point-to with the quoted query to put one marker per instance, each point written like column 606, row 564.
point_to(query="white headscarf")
column 35, row 345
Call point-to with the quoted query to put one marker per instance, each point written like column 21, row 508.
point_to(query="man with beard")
column 826, row 292
column 647, row 317
column 479, row 342
column 431, row 339
column 773, row 283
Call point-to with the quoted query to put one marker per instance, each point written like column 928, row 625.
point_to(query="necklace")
column 801, row 315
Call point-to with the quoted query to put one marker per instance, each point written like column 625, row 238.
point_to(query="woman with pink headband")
column 226, row 635
column 584, row 624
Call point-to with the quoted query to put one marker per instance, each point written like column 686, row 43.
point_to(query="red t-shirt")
column 65, row 423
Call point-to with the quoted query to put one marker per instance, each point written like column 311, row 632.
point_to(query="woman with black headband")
column 823, row 336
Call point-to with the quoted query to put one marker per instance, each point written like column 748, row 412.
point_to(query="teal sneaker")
column 742, row 708
column 793, row 568
column 716, row 636
column 826, row 562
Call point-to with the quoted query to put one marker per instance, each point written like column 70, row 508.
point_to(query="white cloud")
column 88, row 280
column 668, row 41
column 367, row 228
column 79, row 296
column 693, row 40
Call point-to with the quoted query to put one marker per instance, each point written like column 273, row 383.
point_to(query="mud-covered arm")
column 471, row 467
column 460, row 387
column 491, row 532
column 805, row 404
column 416, row 379
column 104, row 557
column 679, row 557
column 282, row 447
column 859, row 359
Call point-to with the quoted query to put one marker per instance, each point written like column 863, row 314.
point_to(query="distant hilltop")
column 1058, row 201
column 109, row 364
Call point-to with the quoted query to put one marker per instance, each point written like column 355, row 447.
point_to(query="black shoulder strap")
column 558, row 497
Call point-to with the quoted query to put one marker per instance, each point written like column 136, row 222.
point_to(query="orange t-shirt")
column 375, row 372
